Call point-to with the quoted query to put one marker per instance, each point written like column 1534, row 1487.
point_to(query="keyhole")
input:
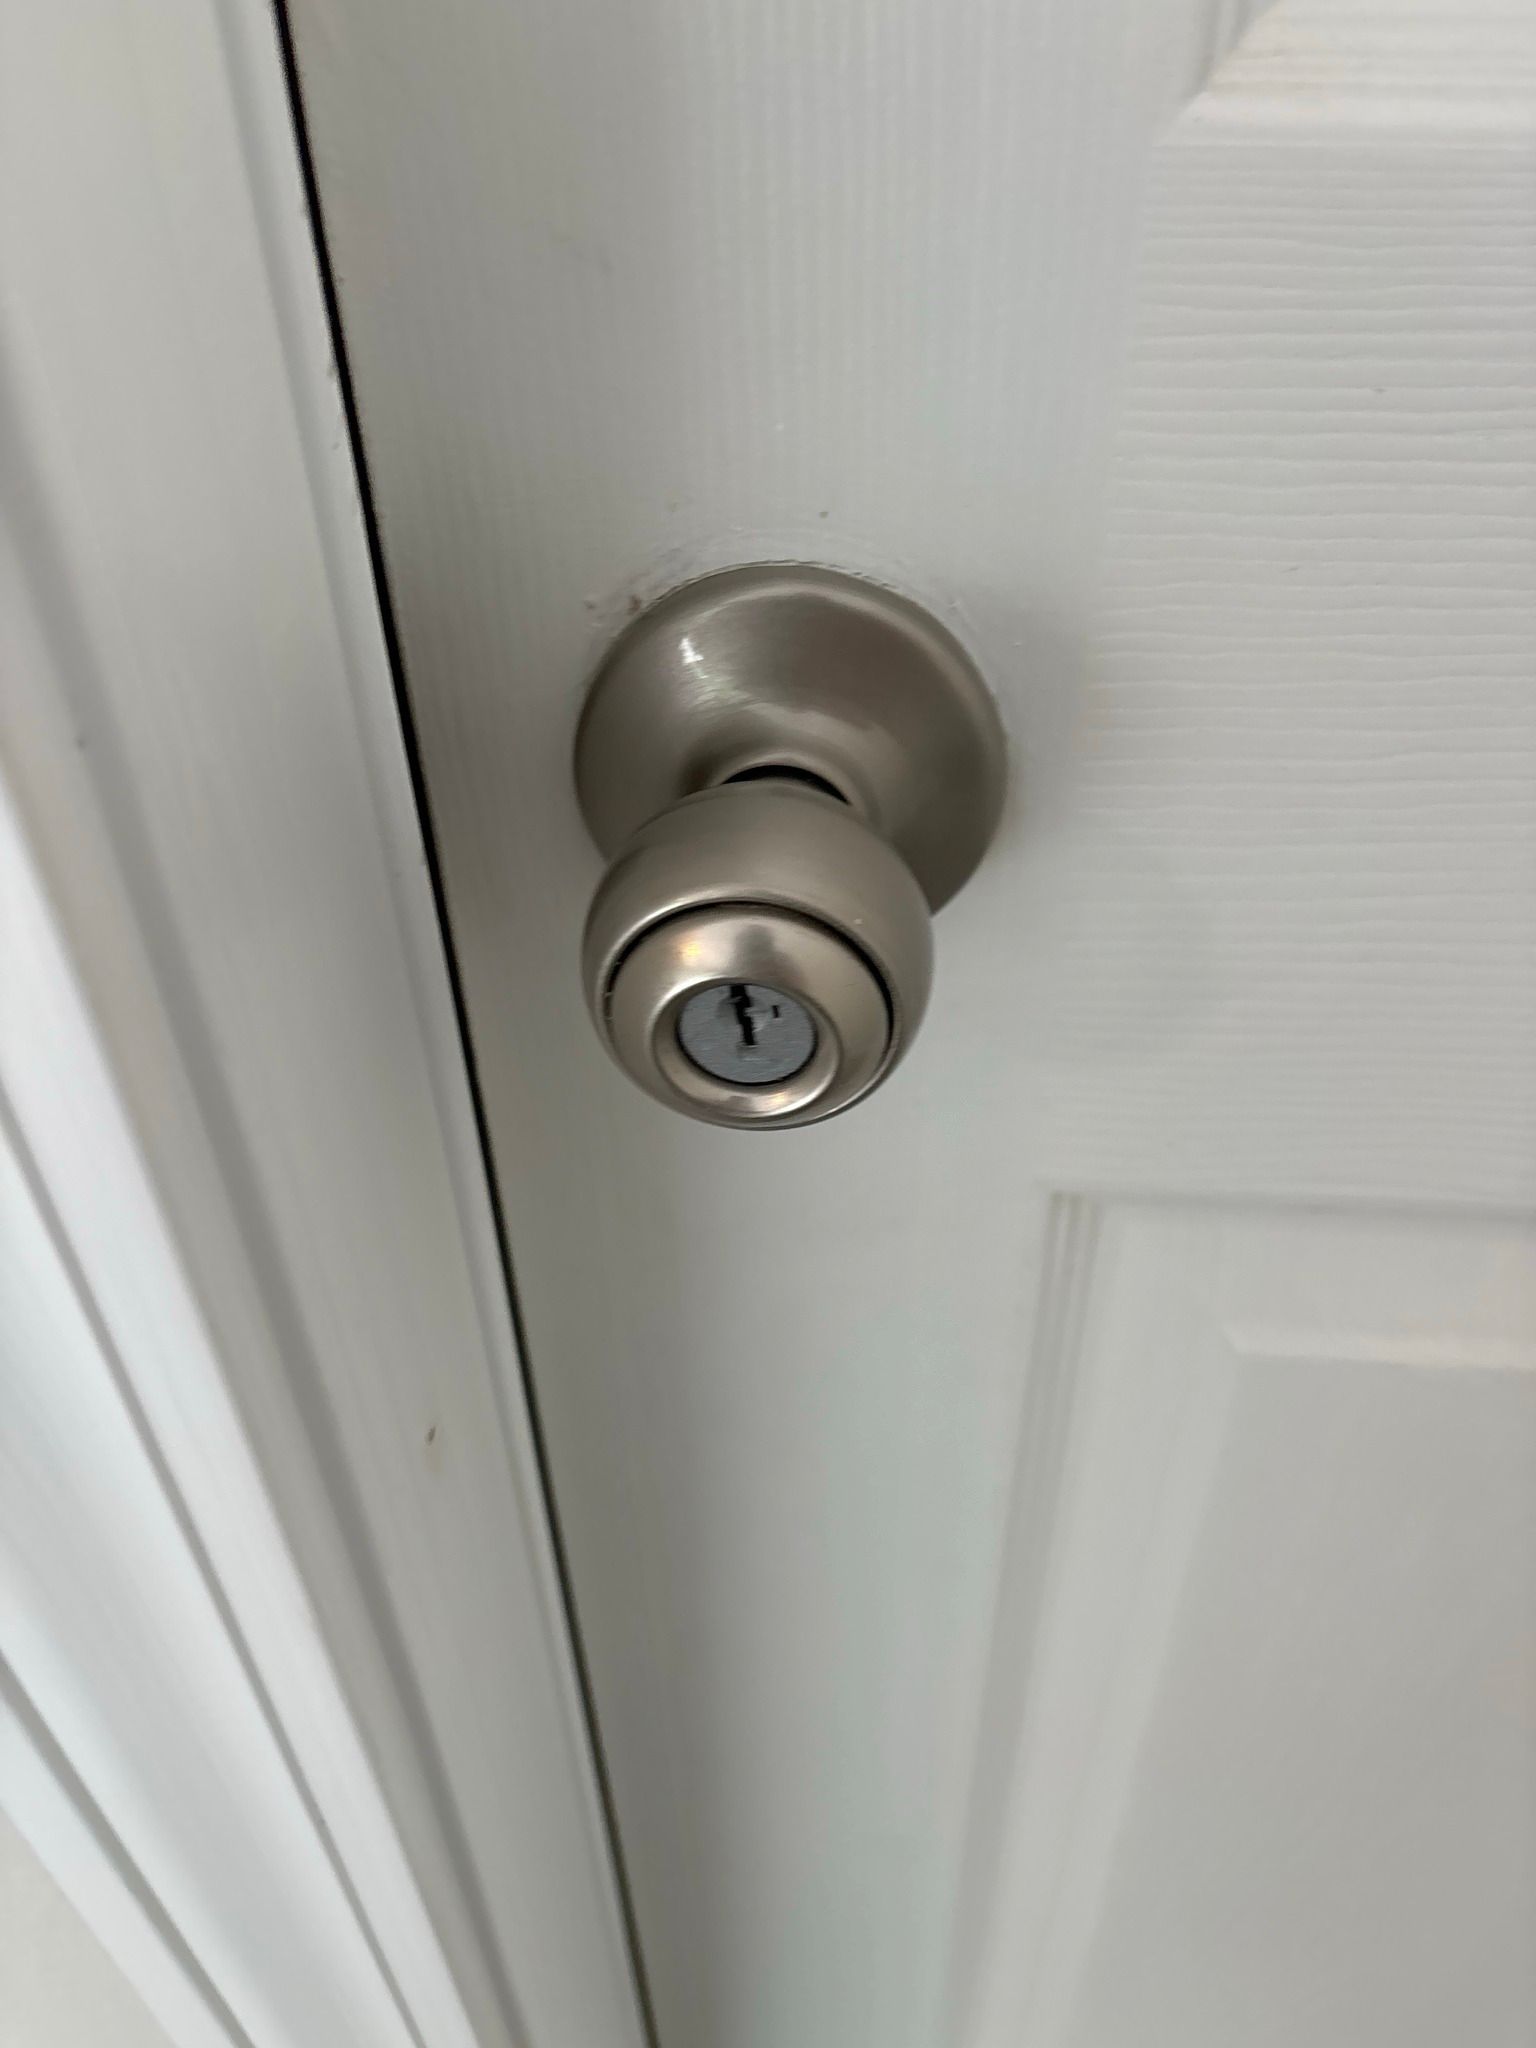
column 741, row 1003
column 746, row 1034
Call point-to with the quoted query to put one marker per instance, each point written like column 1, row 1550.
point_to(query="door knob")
column 789, row 768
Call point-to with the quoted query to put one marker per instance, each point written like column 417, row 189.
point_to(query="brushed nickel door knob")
column 789, row 768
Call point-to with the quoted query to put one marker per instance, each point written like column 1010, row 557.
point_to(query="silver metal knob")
column 790, row 768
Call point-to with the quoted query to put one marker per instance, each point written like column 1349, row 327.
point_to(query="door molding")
column 290, row 1706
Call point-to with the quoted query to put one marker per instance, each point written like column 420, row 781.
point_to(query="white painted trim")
column 293, row 1714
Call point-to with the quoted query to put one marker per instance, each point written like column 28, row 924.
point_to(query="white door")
column 1055, row 1549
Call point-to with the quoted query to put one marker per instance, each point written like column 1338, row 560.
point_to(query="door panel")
column 1189, row 379
column 1260, row 1767
column 1295, row 890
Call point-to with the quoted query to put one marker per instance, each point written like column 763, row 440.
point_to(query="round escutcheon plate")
column 777, row 667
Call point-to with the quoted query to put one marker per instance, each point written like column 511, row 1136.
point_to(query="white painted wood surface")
column 1260, row 1764
column 1183, row 360
column 290, row 1708
column 58, row 1988
column 1309, row 735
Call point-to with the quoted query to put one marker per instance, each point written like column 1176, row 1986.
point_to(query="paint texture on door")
column 1051, row 1546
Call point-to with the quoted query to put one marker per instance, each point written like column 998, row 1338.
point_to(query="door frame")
column 291, row 1707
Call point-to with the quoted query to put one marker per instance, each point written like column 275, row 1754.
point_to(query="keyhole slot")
column 741, row 1003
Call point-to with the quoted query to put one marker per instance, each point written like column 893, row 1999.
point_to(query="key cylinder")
column 742, row 1032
